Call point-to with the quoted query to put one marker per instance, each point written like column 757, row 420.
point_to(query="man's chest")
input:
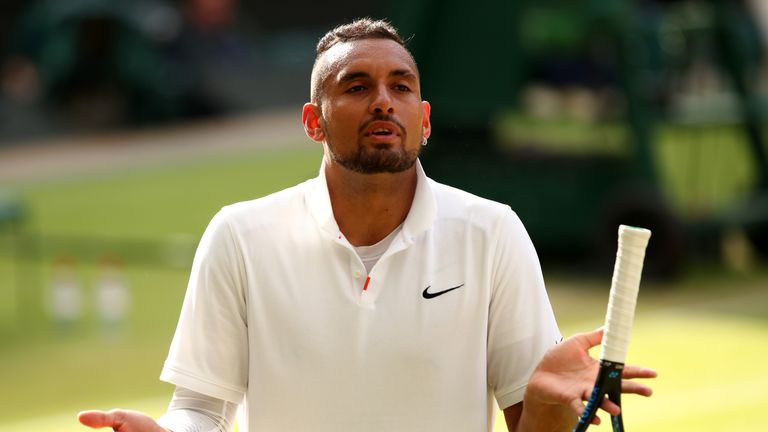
column 418, row 306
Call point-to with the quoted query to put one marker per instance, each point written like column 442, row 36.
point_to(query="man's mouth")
column 382, row 129
column 381, row 132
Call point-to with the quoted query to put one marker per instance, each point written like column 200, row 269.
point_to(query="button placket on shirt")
column 357, row 271
column 367, row 296
column 365, row 284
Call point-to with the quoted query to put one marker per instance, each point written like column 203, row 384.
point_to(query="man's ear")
column 311, row 118
column 426, row 126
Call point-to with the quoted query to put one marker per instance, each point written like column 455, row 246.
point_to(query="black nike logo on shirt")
column 428, row 295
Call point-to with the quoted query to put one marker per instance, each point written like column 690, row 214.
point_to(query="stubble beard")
column 376, row 159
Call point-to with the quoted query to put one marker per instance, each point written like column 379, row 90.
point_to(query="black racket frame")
column 607, row 384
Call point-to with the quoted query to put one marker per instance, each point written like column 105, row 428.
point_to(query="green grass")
column 158, row 202
column 45, row 370
column 51, row 368
column 710, row 378
column 705, row 334
column 66, row 421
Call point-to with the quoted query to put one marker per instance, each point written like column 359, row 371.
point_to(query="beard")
column 376, row 160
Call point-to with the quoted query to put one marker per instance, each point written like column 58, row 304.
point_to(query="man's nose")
column 382, row 101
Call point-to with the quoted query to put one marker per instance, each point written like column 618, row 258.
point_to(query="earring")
column 424, row 141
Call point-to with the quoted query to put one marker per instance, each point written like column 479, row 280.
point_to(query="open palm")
column 566, row 375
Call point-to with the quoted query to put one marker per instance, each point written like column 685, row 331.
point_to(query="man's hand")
column 120, row 421
column 567, row 373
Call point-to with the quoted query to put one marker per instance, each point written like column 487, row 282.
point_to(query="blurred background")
column 125, row 125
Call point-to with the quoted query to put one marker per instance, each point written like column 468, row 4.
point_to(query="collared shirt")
column 279, row 313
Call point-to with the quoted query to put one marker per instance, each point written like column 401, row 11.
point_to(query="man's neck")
column 367, row 207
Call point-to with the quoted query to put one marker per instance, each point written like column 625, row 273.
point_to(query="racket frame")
column 607, row 384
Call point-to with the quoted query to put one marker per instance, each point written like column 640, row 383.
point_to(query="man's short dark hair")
column 362, row 28
column 359, row 29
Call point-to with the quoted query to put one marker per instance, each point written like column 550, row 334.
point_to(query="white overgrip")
column 624, row 288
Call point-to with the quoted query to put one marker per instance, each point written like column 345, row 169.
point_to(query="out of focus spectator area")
column 99, row 64
column 648, row 112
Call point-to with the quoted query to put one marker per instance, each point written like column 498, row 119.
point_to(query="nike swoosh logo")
column 428, row 295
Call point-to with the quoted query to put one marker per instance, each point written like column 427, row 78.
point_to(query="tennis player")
column 370, row 298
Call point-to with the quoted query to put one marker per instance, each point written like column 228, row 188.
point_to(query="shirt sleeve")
column 190, row 411
column 209, row 352
column 521, row 324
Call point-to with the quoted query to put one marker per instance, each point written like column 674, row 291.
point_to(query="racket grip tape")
column 624, row 288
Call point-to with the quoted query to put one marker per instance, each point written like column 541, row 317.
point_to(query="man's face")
column 371, row 114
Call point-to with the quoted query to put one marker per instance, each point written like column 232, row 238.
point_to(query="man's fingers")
column 99, row 419
column 635, row 388
column 94, row 419
column 631, row 372
column 610, row 407
column 577, row 406
column 589, row 339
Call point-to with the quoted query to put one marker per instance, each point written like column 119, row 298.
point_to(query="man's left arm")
column 562, row 381
column 521, row 323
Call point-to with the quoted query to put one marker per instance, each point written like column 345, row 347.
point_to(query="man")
column 370, row 298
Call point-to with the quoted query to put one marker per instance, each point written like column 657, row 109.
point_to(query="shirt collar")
column 419, row 219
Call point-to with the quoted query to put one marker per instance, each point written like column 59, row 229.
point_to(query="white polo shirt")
column 278, row 312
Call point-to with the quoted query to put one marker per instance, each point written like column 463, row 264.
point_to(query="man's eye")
column 402, row 87
column 355, row 89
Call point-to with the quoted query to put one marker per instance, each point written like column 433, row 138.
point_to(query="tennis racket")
column 618, row 324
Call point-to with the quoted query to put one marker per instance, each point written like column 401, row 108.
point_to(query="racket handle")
column 624, row 288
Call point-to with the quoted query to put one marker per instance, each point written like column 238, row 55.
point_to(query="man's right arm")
column 188, row 411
